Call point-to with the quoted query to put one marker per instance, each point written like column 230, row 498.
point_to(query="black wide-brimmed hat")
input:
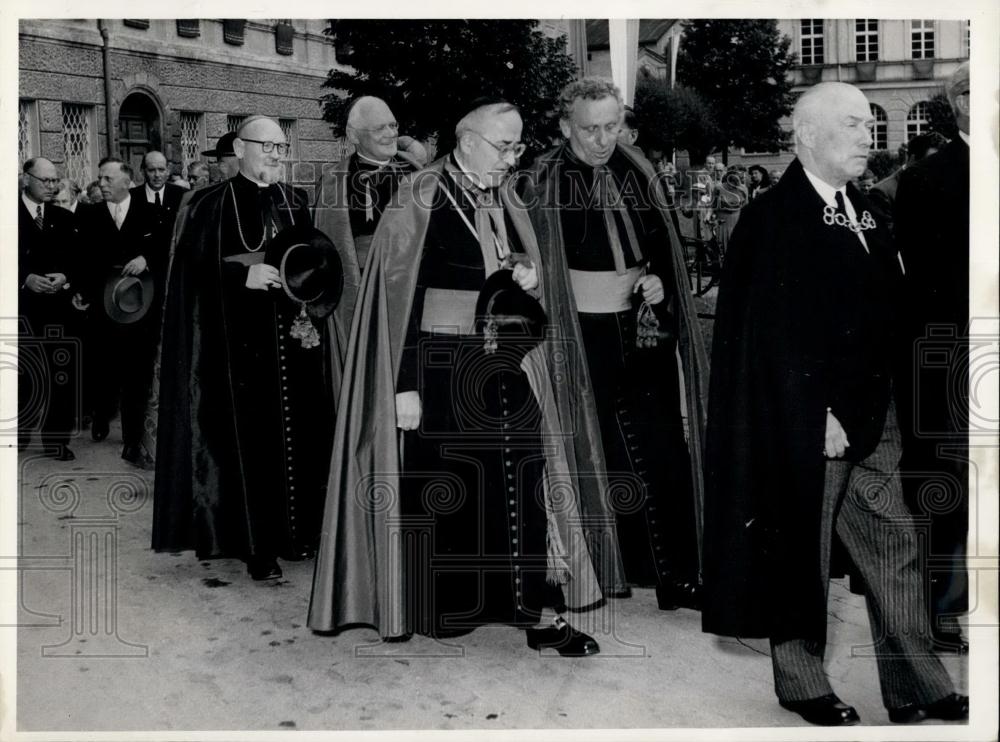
column 127, row 298
column 311, row 270
column 224, row 147
column 506, row 315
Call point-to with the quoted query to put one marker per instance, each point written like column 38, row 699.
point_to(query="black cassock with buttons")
column 246, row 413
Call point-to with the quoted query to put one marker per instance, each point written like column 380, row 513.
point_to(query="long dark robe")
column 241, row 456
column 360, row 571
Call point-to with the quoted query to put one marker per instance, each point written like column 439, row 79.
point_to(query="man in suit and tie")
column 932, row 230
column 803, row 445
column 123, row 240
column 46, row 238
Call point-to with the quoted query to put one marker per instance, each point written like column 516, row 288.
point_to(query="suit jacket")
column 52, row 249
column 805, row 320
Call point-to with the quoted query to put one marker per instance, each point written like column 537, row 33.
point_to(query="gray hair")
column 587, row 88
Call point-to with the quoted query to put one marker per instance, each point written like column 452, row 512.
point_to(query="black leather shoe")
column 825, row 711
column 953, row 707
column 99, row 430
column 564, row 639
column 950, row 642
column 263, row 568
column 678, row 594
column 64, row 453
column 137, row 457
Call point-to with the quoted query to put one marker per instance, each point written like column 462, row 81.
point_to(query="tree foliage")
column 673, row 118
column 428, row 71
column 740, row 69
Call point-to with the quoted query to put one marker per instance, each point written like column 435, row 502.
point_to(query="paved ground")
column 171, row 643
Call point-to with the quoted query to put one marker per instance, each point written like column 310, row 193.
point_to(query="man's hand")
column 263, row 276
column 58, row 280
column 78, row 302
column 39, row 284
column 408, row 410
column 836, row 439
column 526, row 275
column 651, row 287
column 135, row 266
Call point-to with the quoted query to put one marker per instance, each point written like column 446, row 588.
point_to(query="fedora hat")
column 127, row 298
column 508, row 316
column 224, row 147
column 312, row 273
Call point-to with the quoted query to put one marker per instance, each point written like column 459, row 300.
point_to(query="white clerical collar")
column 373, row 161
column 151, row 194
column 472, row 177
column 826, row 191
column 32, row 205
column 965, row 137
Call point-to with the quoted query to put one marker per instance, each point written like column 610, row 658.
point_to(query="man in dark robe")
column 242, row 457
column 483, row 474
column 600, row 206
column 803, row 444
column 932, row 231
column 352, row 194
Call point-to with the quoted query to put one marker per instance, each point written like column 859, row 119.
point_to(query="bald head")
column 832, row 123
column 372, row 129
column 957, row 90
column 254, row 135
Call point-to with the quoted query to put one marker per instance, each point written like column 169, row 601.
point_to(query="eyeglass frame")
column 267, row 147
column 515, row 148
column 50, row 182
column 394, row 126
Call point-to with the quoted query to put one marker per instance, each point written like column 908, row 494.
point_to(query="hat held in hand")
column 127, row 298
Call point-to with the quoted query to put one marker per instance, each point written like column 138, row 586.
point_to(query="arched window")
column 917, row 120
column 880, row 132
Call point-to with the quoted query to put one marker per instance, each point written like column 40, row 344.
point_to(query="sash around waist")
column 603, row 292
column 449, row 311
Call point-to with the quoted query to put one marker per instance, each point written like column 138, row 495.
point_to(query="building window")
column 880, row 132
column 192, row 136
column 78, row 141
column 918, row 120
column 922, row 39
column 968, row 38
column 27, row 131
column 811, row 41
column 233, row 122
column 288, row 129
column 866, row 39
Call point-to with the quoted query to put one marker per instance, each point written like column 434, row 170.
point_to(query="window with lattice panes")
column 192, row 136
column 918, row 120
column 233, row 122
column 288, row 129
column 866, row 39
column 880, row 130
column 922, row 39
column 811, row 41
column 78, row 141
column 27, row 131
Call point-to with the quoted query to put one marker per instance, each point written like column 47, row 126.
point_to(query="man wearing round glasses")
column 241, row 462
column 617, row 246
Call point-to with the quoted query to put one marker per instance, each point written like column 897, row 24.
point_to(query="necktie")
column 118, row 215
column 842, row 209
column 39, row 217
column 157, row 201
column 610, row 202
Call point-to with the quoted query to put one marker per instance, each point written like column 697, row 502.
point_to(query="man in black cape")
column 802, row 442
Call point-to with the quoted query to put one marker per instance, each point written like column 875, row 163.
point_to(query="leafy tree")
column 428, row 71
column 673, row 118
column 941, row 117
column 740, row 69
column 883, row 164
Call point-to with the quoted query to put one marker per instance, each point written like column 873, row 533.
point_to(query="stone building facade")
column 91, row 87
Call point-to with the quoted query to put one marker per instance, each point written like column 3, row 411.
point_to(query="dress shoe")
column 825, row 711
column 137, row 457
column 263, row 568
column 950, row 642
column 953, row 707
column 99, row 430
column 564, row 639
column 678, row 594
column 64, row 453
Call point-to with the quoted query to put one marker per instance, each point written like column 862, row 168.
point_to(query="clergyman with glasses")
column 242, row 459
column 449, row 507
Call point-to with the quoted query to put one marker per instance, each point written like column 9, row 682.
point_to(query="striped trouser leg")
column 877, row 530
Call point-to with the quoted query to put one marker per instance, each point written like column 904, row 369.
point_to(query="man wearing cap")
column 225, row 156
column 241, row 463
column 47, row 278
column 454, row 500
column 932, row 231
column 124, row 306
column 803, row 446
column 604, row 213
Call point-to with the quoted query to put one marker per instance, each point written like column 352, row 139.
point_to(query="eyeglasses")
column 282, row 148
column 50, row 182
column 514, row 148
column 383, row 129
